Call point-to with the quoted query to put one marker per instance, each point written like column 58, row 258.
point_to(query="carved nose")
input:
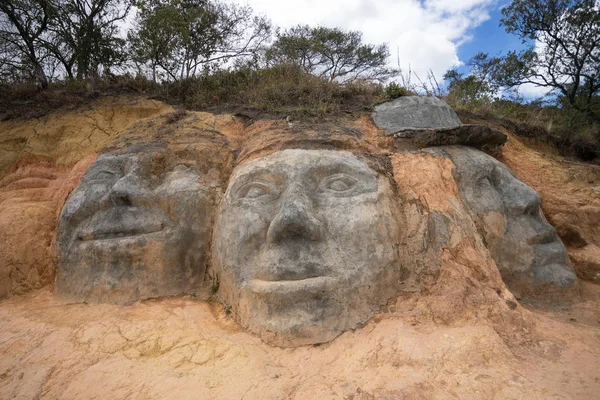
column 127, row 191
column 524, row 200
column 295, row 219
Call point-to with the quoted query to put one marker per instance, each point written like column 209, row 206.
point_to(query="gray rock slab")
column 414, row 112
column 429, row 121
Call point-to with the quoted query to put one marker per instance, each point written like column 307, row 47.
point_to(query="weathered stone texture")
column 136, row 227
column 306, row 245
column 526, row 248
column 415, row 112
column 31, row 197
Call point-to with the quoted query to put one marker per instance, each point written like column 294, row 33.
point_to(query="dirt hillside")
column 465, row 337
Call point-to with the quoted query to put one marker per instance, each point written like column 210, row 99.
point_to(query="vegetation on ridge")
column 207, row 54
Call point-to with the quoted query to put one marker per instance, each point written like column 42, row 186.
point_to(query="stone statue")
column 526, row 248
column 306, row 245
column 137, row 226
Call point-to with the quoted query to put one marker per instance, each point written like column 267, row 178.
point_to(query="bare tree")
column 84, row 35
column 177, row 39
column 22, row 26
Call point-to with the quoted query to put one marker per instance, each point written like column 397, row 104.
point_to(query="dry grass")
column 286, row 90
column 282, row 89
column 570, row 131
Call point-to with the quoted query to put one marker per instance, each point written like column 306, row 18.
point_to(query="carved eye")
column 254, row 190
column 339, row 184
column 103, row 175
column 483, row 180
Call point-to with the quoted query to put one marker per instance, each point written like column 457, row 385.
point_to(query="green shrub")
column 393, row 91
column 279, row 89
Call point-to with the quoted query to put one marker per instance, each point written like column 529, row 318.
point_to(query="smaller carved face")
column 136, row 227
column 524, row 245
column 305, row 245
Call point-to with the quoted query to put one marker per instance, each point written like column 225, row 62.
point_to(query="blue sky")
column 490, row 38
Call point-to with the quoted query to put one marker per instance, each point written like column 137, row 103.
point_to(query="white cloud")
column 531, row 91
column 425, row 34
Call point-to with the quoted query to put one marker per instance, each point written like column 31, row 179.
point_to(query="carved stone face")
column 305, row 245
column 524, row 245
column 136, row 227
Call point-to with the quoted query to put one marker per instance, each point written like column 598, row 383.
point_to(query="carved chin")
column 295, row 313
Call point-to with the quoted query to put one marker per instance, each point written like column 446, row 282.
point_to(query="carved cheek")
column 246, row 228
column 185, row 208
column 348, row 216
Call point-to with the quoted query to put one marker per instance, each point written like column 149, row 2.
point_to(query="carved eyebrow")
column 273, row 178
column 264, row 174
column 326, row 170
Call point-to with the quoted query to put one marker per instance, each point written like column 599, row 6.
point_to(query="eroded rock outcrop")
column 416, row 121
column 393, row 258
column 31, row 197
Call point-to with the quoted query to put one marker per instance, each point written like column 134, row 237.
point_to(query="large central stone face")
column 136, row 227
column 305, row 245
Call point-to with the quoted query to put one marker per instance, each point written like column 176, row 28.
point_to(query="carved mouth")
column 550, row 253
column 314, row 284
column 120, row 222
column 123, row 232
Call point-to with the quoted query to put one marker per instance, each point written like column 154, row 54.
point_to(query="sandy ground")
column 189, row 348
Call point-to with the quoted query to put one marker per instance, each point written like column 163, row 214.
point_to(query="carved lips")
column 310, row 285
column 119, row 222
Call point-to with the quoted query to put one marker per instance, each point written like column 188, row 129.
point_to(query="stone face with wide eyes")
column 524, row 245
column 132, row 231
column 305, row 245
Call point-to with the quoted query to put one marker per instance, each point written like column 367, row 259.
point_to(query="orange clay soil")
column 187, row 348
column 465, row 336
